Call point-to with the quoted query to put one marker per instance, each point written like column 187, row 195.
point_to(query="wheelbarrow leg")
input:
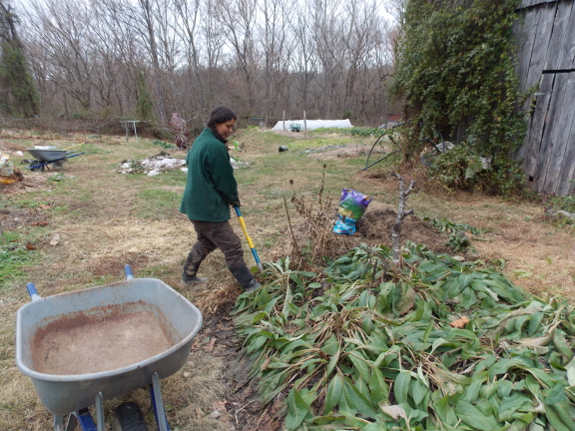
column 72, row 422
column 100, row 412
column 84, row 418
column 159, row 411
column 58, row 423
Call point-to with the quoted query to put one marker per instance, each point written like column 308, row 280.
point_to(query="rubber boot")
column 189, row 274
column 245, row 278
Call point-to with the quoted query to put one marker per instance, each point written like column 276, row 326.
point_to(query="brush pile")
column 431, row 344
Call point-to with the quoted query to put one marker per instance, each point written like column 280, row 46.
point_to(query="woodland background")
column 145, row 59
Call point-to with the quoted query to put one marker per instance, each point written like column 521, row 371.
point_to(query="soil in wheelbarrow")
column 106, row 339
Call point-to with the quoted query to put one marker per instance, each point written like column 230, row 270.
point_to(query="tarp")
column 313, row 124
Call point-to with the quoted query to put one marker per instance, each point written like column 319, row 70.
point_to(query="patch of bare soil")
column 374, row 228
column 26, row 217
column 26, row 182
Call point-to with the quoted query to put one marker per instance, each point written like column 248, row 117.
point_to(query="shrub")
column 462, row 168
column 456, row 70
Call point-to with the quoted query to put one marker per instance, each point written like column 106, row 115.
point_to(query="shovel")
column 73, row 146
column 248, row 239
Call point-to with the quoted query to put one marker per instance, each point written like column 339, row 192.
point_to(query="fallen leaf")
column 186, row 375
column 210, row 345
column 394, row 411
column 55, row 239
column 219, row 406
column 30, row 247
column 459, row 323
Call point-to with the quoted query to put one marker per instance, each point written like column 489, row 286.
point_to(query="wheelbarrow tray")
column 47, row 155
column 63, row 394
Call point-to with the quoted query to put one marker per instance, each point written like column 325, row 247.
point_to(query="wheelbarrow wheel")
column 129, row 417
column 37, row 168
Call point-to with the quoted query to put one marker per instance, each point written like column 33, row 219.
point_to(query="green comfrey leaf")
column 501, row 366
column 259, row 316
column 472, row 391
column 555, row 395
column 534, row 323
column 418, row 392
column 360, row 365
column 561, row 343
column 298, row 403
column 378, row 387
column 297, row 280
column 504, row 389
column 333, row 395
column 474, row 418
column 255, row 344
column 331, row 346
column 444, row 409
column 510, row 405
column 356, row 400
column 401, row 386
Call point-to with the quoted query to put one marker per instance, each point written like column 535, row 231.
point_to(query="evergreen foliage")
column 456, row 71
column 20, row 96
column 145, row 102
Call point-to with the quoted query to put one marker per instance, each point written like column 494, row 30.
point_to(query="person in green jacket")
column 210, row 190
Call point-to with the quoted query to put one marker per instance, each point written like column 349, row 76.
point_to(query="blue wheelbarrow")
column 81, row 348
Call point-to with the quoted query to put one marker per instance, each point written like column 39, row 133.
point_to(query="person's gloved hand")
column 236, row 203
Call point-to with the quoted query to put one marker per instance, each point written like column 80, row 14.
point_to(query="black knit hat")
column 220, row 115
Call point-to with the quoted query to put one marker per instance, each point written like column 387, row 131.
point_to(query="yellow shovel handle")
column 243, row 224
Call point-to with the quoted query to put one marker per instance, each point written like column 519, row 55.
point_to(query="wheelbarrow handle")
column 128, row 271
column 33, row 292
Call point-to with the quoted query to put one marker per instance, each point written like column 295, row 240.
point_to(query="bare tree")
column 303, row 60
column 120, row 50
column 364, row 39
column 188, row 30
column 261, row 56
column 401, row 214
column 238, row 17
column 276, row 48
column 327, row 17
column 146, row 13
column 62, row 31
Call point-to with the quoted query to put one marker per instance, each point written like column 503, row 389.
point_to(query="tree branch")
column 401, row 214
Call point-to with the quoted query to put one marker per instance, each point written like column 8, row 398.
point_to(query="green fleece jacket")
column 211, row 186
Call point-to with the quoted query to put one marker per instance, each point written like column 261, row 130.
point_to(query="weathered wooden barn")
column 546, row 56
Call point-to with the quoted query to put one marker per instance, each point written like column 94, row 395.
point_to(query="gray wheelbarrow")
column 81, row 348
column 50, row 155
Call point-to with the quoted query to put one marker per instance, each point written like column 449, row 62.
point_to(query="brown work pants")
column 211, row 236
